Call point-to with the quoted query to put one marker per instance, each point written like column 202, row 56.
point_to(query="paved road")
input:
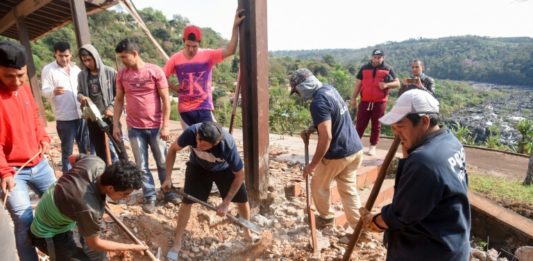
column 485, row 162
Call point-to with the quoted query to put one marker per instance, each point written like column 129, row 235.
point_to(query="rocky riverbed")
column 500, row 114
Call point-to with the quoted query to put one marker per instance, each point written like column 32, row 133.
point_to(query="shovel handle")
column 129, row 233
column 373, row 196
column 310, row 214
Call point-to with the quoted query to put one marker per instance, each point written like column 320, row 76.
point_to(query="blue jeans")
column 69, row 131
column 38, row 178
column 140, row 139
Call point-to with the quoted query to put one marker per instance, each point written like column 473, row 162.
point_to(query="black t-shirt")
column 77, row 196
column 327, row 104
column 95, row 92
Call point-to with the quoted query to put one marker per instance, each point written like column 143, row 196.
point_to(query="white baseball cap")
column 412, row 101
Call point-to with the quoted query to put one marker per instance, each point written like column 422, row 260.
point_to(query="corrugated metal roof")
column 45, row 18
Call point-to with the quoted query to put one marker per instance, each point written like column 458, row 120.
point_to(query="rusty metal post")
column 81, row 26
column 254, row 86
column 34, row 82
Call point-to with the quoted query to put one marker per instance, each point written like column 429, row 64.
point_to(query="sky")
column 326, row 24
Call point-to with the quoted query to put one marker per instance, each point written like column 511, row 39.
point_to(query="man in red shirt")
column 22, row 140
column 373, row 83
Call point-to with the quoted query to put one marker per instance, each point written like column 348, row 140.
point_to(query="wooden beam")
column 81, row 25
column 34, row 82
column 254, row 83
column 23, row 9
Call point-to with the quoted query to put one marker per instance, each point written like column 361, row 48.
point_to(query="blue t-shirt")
column 327, row 104
column 429, row 218
column 219, row 158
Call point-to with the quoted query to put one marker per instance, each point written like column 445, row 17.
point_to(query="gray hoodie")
column 106, row 75
column 308, row 87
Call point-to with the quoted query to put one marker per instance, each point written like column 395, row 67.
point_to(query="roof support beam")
column 254, row 83
column 23, row 9
column 79, row 16
column 34, row 82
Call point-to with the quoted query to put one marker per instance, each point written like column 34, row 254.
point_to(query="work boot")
column 372, row 150
column 172, row 198
column 322, row 223
column 149, row 206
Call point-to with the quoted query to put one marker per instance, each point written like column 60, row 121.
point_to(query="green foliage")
column 494, row 138
column 501, row 189
column 463, row 58
column 174, row 114
column 287, row 115
column 463, row 134
column 525, row 144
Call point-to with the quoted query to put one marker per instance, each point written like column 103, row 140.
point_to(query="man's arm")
column 232, row 44
column 324, row 140
column 165, row 100
column 170, row 159
column 390, row 85
column 356, row 91
column 117, row 112
column 47, row 85
column 234, row 188
column 98, row 244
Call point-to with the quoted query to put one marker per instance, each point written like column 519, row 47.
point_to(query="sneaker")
column 172, row 198
column 322, row 223
column 149, row 206
column 372, row 150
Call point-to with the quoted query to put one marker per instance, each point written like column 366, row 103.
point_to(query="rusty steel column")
column 34, row 82
column 254, row 83
column 81, row 26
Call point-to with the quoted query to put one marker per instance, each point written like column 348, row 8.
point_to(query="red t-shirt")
column 21, row 130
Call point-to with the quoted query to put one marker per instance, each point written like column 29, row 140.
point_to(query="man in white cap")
column 429, row 217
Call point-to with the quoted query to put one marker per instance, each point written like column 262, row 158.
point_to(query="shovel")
column 131, row 235
column 238, row 221
column 373, row 196
column 310, row 214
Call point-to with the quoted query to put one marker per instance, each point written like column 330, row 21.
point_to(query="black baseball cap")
column 378, row 52
column 12, row 55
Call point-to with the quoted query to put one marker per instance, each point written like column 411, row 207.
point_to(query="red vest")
column 370, row 91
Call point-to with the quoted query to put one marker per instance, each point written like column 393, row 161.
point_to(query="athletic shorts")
column 193, row 117
column 198, row 183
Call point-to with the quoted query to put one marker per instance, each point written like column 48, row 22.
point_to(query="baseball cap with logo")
column 412, row 101
column 195, row 31
column 12, row 55
column 378, row 52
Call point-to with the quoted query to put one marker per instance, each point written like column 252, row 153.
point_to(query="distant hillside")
column 471, row 58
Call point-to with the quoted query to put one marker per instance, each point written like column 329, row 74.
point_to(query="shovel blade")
column 249, row 225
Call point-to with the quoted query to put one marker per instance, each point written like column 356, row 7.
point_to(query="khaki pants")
column 344, row 172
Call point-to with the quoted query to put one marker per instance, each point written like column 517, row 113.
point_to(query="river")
column 501, row 114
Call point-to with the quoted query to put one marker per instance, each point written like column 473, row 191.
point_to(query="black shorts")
column 198, row 183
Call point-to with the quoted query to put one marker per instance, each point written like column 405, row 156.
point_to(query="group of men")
column 429, row 216
column 77, row 198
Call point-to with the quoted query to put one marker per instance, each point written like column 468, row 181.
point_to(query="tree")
column 529, row 176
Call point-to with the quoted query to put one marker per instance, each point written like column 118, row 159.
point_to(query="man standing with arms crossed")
column 193, row 67
column 373, row 83
column 22, row 140
column 148, row 110
column 60, row 86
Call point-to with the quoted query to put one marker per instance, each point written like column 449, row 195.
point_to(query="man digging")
column 214, row 158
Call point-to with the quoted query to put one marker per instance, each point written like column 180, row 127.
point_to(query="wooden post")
column 34, row 82
column 254, row 93
column 79, row 17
